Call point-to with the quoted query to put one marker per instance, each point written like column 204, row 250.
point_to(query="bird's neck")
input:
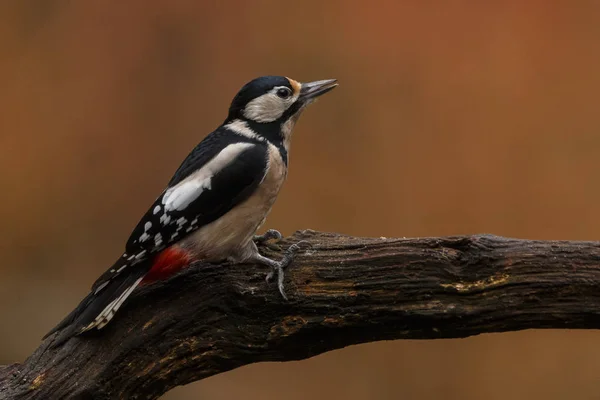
column 276, row 132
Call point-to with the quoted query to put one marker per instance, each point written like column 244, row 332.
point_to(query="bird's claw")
column 269, row 235
column 288, row 258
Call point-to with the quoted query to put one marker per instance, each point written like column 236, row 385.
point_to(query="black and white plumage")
column 214, row 203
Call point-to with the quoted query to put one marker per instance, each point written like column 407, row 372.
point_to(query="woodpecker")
column 215, row 202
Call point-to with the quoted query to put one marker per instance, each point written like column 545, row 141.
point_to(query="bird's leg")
column 271, row 234
column 278, row 266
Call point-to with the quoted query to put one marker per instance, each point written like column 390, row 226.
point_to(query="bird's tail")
column 100, row 305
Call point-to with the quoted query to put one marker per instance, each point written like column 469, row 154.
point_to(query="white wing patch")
column 158, row 240
column 178, row 197
column 165, row 219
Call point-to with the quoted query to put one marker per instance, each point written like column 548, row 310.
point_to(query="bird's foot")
column 269, row 235
column 278, row 267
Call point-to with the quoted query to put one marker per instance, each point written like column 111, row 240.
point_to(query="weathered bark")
column 345, row 290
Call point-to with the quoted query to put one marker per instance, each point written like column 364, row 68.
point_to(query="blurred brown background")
column 451, row 117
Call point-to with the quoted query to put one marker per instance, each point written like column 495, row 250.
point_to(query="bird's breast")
column 228, row 236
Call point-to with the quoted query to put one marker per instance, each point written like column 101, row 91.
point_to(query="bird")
column 214, row 203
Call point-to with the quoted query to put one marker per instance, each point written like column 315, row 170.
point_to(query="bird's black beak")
column 311, row 90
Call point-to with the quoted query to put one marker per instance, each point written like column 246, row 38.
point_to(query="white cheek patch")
column 265, row 108
column 268, row 107
column 185, row 192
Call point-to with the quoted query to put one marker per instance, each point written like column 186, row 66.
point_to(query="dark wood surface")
column 344, row 290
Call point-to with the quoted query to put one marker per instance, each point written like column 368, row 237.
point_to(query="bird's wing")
column 203, row 189
column 212, row 181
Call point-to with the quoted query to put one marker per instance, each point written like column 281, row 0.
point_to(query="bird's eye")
column 284, row 92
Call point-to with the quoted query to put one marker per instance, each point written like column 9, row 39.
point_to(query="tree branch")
column 345, row 290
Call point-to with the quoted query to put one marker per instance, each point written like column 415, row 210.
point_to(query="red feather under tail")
column 167, row 263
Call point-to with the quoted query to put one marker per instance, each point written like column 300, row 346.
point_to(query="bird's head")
column 276, row 98
column 271, row 105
